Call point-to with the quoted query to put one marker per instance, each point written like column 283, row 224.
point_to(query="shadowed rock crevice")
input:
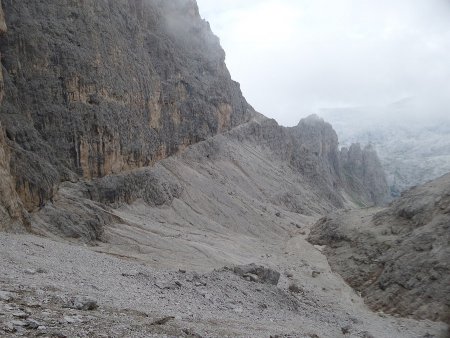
column 12, row 214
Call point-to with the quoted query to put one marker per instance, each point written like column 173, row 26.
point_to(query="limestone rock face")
column 312, row 149
column 410, row 153
column 257, row 273
column 2, row 20
column 398, row 257
column 356, row 172
column 316, row 155
column 12, row 214
column 99, row 87
column 364, row 173
column 2, row 31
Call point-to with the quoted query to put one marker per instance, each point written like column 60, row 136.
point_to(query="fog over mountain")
column 294, row 58
column 412, row 150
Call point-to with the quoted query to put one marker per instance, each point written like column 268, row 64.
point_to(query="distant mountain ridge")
column 411, row 152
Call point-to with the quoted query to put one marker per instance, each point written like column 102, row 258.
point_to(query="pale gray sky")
column 293, row 57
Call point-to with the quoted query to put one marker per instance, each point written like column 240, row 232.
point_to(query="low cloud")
column 295, row 57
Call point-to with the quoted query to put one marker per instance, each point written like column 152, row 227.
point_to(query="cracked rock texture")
column 312, row 149
column 93, row 88
column 12, row 215
column 398, row 257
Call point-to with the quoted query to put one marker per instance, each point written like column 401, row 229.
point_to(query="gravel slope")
column 38, row 278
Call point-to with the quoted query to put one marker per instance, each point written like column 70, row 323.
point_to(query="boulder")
column 258, row 273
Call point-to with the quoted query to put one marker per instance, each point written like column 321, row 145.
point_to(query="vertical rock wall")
column 100, row 87
column 12, row 214
column 364, row 174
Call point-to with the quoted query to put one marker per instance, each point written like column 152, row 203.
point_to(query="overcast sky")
column 294, row 57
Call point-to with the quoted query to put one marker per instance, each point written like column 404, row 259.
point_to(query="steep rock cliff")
column 99, row 87
column 364, row 174
column 12, row 214
column 315, row 154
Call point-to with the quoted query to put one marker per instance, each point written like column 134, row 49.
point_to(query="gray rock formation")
column 102, row 89
column 312, row 149
column 364, row 174
column 257, row 273
column 12, row 215
column 411, row 152
column 287, row 173
column 357, row 171
column 398, row 257
column 95, row 88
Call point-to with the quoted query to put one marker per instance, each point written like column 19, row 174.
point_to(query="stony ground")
column 55, row 289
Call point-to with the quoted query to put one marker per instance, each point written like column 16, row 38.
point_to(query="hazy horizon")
column 294, row 58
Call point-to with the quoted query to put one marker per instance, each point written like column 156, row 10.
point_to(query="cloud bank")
column 295, row 57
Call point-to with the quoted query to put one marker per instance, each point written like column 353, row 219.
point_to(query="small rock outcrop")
column 83, row 304
column 257, row 273
column 398, row 257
